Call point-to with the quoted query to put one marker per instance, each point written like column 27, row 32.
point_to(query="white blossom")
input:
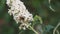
column 19, row 12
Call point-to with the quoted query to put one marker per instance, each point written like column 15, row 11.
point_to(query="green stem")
column 33, row 30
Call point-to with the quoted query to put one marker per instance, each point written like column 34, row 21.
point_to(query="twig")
column 33, row 30
column 50, row 5
column 56, row 29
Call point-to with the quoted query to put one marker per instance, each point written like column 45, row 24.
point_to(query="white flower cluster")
column 19, row 12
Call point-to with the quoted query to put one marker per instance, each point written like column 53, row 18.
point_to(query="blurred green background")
column 36, row 7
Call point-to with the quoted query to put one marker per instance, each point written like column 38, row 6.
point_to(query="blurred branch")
column 50, row 5
column 55, row 29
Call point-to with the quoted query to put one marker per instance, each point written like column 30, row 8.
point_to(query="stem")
column 33, row 30
column 57, row 31
column 50, row 5
column 56, row 28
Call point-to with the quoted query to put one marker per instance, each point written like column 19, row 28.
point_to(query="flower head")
column 19, row 12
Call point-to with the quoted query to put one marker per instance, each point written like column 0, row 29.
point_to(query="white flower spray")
column 20, row 13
